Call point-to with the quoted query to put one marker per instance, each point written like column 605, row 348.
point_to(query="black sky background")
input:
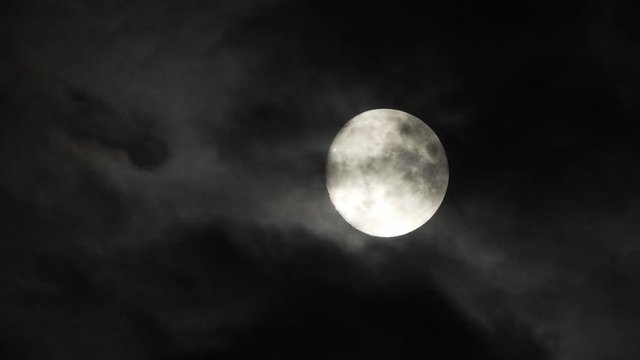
column 163, row 193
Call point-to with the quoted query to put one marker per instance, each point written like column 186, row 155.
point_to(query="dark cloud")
column 163, row 180
column 234, row 291
column 91, row 119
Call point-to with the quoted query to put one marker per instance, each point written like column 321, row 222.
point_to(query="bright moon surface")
column 387, row 172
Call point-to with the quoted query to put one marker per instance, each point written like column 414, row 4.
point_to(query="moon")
column 387, row 172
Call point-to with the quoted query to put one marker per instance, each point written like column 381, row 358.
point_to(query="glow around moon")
column 387, row 172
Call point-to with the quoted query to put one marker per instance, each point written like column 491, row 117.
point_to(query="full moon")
column 387, row 172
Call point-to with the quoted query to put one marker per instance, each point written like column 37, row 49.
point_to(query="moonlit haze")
column 197, row 180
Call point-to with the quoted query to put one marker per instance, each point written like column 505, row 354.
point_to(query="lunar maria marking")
column 387, row 172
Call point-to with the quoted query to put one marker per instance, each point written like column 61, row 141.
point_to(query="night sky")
column 162, row 180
